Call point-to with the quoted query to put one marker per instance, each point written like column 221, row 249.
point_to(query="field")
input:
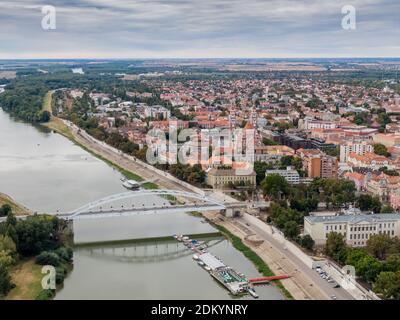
column 8, row 74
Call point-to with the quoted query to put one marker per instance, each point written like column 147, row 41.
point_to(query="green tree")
column 48, row 258
column 45, row 116
column 387, row 209
column 367, row 202
column 5, row 279
column 275, row 186
column 269, row 142
column 387, row 284
column 335, row 247
column 307, row 242
column 5, row 209
column 392, row 263
column 260, row 168
column 381, row 150
column 291, row 229
column 378, row 245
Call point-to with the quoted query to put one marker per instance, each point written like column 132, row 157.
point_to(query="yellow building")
column 220, row 178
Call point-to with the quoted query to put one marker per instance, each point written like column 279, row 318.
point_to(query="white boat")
column 201, row 263
column 195, row 257
column 131, row 184
column 207, row 268
column 253, row 293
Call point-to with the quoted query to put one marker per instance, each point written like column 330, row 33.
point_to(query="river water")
column 48, row 173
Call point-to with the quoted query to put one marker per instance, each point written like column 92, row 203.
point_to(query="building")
column 356, row 229
column 219, row 178
column 359, row 179
column 388, row 140
column 368, row 160
column 157, row 112
column 317, row 164
column 382, row 185
column 271, row 154
column 360, row 148
column 295, row 142
column 291, row 175
column 310, row 124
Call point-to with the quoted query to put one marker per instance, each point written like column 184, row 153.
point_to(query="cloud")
column 191, row 28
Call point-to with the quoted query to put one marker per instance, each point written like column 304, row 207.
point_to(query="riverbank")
column 17, row 208
column 248, row 252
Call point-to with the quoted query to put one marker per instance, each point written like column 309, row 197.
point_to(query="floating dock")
column 236, row 283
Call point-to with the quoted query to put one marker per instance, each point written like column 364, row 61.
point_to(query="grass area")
column 261, row 266
column 27, row 276
column 17, row 208
column 196, row 214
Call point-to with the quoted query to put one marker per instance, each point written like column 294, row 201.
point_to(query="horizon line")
column 203, row 58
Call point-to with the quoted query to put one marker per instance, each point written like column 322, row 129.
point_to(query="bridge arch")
column 141, row 193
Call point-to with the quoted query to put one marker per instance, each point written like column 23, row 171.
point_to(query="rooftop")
column 355, row 218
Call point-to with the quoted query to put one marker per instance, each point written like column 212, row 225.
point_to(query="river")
column 48, row 173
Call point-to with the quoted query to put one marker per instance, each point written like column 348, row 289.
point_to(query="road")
column 300, row 265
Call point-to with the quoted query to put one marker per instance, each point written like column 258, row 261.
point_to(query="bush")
column 65, row 253
column 45, row 295
column 48, row 258
column 5, row 209
column 5, row 279
column 61, row 272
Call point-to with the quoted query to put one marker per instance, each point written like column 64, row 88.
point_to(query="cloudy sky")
column 199, row 28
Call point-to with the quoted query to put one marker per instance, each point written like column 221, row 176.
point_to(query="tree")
column 392, row 263
column 378, row 245
column 307, row 242
column 5, row 279
column 45, row 116
column 387, row 209
column 335, row 246
column 291, row 229
column 381, row 150
column 368, row 203
column 48, row 258
column 275, row 186
column 5, row 209
column 269, row 142
column 260, row 168
column 36, row 234
column 387, row 284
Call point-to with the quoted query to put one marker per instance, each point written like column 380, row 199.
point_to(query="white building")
column 356, row 229
column 291, row 175
column 157, row 112
column 308, row 124
column 360, row 148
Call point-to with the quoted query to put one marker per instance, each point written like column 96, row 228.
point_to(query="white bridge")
column 197, row 202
